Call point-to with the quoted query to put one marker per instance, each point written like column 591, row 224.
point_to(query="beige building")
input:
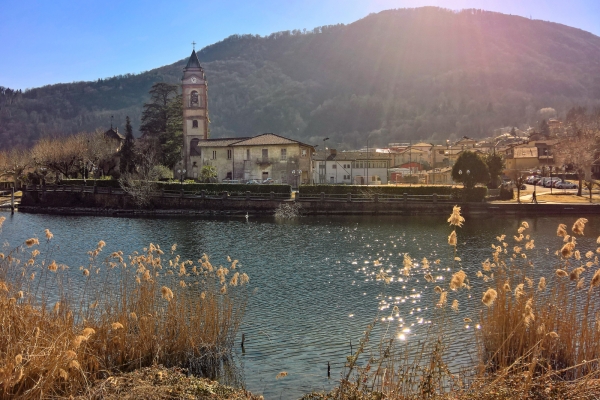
column 351, row 167
column 254, row 158
column 521, row 157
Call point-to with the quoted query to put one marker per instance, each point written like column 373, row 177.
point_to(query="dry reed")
column 534, row 341
column 128, row 312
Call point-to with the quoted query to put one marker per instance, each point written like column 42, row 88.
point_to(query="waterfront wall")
column 106, row 203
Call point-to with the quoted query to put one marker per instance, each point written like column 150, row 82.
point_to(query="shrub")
column 507, row 194
column 477, row 194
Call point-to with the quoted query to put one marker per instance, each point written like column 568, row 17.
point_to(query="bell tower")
column 195, row 110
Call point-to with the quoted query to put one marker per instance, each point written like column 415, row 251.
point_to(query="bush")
column 188, row 186
column 507, row 194
column 475, row 195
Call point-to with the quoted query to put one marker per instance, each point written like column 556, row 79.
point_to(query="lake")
column 314, row 278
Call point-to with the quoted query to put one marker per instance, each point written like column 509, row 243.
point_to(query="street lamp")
column 325, row 160
column 460, row 173
column 550, row 178
column 464, row 191
column 182, row 173
column 297, row 173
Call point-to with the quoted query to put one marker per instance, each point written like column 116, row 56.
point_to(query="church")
column 264, row 157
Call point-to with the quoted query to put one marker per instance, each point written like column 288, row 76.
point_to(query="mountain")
column 394, row 76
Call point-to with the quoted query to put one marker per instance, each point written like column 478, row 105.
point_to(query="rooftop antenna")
column 111, row 121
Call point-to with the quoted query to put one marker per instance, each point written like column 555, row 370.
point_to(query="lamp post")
column 325, row 160
column 550, row 178
column 464, row 188
column 297, row 173
column 182, row 173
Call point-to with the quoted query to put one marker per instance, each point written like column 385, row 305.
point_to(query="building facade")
column 351, row 167
column 258, row 158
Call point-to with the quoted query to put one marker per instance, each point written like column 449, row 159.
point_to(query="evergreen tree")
column 470, row 169
column 162, row 122
column 496, row 165
column 544, row 128
column 127, row 157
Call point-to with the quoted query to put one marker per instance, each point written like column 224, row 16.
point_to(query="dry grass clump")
column 534, row 340
column 60, row 332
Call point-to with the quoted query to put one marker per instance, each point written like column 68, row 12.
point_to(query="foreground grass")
column 60, row 333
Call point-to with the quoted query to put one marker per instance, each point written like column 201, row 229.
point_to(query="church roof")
column 193, row 62
column 114, row 134
column 268, row 139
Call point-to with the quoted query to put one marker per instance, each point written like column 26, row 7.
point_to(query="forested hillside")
column 424, row 73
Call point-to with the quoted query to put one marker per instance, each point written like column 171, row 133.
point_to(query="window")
column 248, row 154
column 303, row 153
column 229, row 154
column 195, row 123
column 265, row 154
column 214, row 155
column 194, row 149
column 283, row 154
column 194, row 99
column 334, row 166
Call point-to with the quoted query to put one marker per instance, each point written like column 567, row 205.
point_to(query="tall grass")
column 59, row 333
column 538, row 326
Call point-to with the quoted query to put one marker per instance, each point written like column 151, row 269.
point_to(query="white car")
column 566, row 185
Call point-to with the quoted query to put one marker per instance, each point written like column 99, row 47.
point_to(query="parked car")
column 566, row 185
column 268, row 181
column 253, row 182
column 549, row 182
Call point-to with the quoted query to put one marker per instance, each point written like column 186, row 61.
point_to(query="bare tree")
column 61, row 155
column 141, row 185
column 579, row 149
column 14, row 163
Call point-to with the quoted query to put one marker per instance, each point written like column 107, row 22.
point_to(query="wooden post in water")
column 243, row 340
column 12, row 200
column 328, row 370
column 351, row 347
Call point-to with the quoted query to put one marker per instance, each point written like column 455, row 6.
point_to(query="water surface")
column 315, row 278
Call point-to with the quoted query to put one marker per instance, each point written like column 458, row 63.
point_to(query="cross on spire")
column 194, row 45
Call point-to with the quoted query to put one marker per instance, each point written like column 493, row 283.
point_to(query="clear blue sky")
column 44, row 42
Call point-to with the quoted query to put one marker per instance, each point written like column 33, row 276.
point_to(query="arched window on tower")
column 195, row 123
column 194, row 149
column 194, row 99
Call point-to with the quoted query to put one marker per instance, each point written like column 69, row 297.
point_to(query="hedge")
column 476, row 195
column 210, row 188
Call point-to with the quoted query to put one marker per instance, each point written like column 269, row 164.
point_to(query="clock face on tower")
column 193, row 79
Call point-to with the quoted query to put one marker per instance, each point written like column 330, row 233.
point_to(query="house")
column 350, row 167
column 521, row 157
column 440, row 176
column 248, row 158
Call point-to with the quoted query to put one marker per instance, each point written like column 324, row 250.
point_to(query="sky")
column 45, row 42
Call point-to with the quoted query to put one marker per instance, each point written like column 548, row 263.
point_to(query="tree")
column 544, row 128
column 470, row 169
column 13, row 163
column 127, row 157
column 581, row 147
column 496, row 165
column 162, row 122
column 207, row 173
